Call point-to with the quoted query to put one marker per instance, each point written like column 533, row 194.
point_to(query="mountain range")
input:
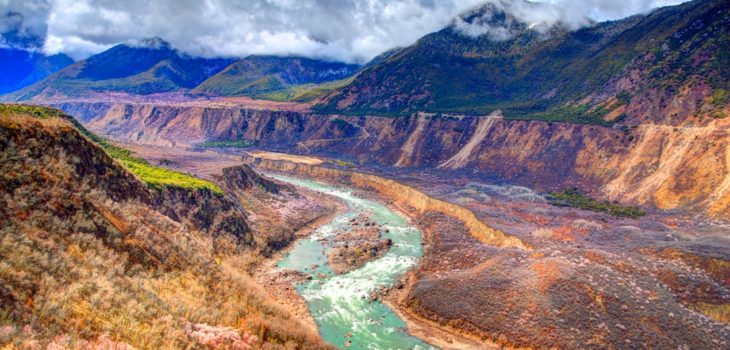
column 570, row 189
column 600, row 74
column 153, row 66
column 20, row 68
column 260, row 76
column 592, row 75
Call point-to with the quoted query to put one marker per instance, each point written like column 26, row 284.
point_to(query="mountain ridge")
column 528, row 76
column 150, row 67
column 21, row 68
column 257, row 75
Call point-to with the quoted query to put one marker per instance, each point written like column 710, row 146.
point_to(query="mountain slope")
column 151, row 67
column 536, row 75
column 91, row 257
column 258, row 76
column 20, row 68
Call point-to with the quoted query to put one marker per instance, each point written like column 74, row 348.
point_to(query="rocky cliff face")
column 90, row 253
column 670, row 167
column 404, row 196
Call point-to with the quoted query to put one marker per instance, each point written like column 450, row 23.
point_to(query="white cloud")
column 348, row 30
column 23, row 23
column 544, row 14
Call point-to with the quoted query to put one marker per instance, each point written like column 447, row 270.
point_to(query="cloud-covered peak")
column 344, row 30
column 503, row 19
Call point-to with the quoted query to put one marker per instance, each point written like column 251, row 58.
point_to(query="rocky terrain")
column 650, row 164
column 580, row 280
column 93, row 256
column 572, row 188
column 354, row 248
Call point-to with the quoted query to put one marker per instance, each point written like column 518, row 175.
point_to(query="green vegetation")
column 156, row 177
column 582, row 114
column 34, row 111
column 153, row 176
column 575, row 199
column 228, row 143
column 560, row 78
column 718, row 115
column 123, row 68
column 307, row 92
column 720, row 97
column 343, row 163
column 278, row 78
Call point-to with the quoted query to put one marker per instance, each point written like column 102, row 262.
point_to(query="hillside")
column 149, row 67
column 20, row 68
column 273, row 77
column 92, row 257
column 624, row 69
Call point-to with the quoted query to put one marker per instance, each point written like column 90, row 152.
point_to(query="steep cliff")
column 92, row 256
column 403, row 195
column 667, row 166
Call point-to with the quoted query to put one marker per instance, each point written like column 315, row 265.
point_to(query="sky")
column 343, row 30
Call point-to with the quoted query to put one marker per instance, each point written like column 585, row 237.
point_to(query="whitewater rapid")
column 340, row 304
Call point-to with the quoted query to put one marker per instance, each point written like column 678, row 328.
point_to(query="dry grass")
column 88, row 260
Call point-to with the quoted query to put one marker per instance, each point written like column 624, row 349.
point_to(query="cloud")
column 545, row 14
column 23, row 23
column 346, row 30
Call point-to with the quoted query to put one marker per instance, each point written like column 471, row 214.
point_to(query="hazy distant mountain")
column 258, row 76
column 151, row 66
column 20, row 68
column 593, row 75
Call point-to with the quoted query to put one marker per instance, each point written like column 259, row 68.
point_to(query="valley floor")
column 621, row 280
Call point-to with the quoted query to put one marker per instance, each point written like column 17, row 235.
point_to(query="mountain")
column 151, row 66
column 20, row 68
column 260, row 76
column 99, row 252
column 488, row 60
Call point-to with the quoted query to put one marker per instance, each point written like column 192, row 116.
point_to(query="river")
column 340, row 304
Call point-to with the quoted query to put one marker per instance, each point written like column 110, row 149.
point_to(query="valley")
column 528, row 244
column 519, row 175
column 623, row 163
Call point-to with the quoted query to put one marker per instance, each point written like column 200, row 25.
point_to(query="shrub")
column 575, row 199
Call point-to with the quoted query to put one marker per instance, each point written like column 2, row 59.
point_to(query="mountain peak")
column 154, row 43
column 493, row 19
column 504, row 19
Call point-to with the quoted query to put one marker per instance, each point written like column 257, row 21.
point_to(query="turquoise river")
column 340, row 304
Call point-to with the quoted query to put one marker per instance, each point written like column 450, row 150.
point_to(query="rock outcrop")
column 670, row 167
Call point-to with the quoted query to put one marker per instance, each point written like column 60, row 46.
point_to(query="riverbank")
column 281, row 285
column 418, row 213
column 426, row 330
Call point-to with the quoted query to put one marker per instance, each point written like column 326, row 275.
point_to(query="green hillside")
column 274, row 77
column 558, row 76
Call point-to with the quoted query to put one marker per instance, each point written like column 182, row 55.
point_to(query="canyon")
column 488, row 238
column 682, row 168
column 549, row 187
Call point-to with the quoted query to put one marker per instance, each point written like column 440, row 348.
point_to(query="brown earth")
column 677, row 166
column 353, row 249
column 92, row 257
column 590, row 283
